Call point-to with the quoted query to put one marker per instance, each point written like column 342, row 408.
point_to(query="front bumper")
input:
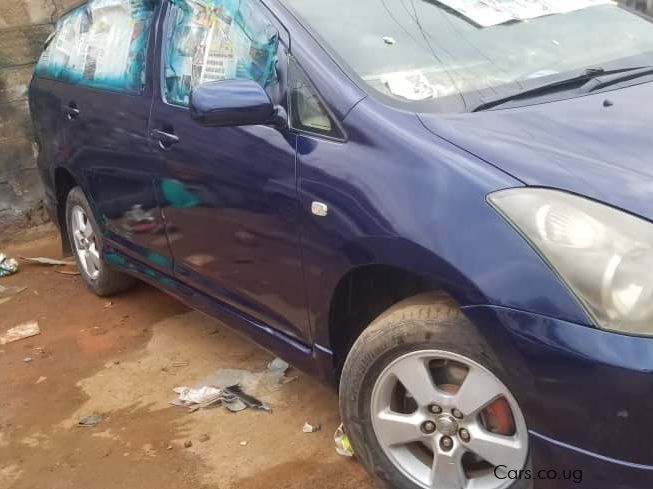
column 587, row 396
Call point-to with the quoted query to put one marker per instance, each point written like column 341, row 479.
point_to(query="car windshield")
column 427, row 52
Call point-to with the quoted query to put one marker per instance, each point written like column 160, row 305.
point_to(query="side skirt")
column 315, row 360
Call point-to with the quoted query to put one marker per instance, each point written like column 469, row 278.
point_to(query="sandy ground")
column 119, row 358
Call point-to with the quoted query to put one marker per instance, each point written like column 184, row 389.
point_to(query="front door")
column 229, row 195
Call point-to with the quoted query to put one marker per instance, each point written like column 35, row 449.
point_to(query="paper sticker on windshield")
column 488, row 13
column 411, row 85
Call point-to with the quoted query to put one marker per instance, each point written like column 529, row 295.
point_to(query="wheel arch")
column 367, row 289
column 64, row 182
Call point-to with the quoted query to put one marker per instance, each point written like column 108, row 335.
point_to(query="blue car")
column 443, row 207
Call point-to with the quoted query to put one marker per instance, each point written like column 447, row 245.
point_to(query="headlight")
column 604, row 256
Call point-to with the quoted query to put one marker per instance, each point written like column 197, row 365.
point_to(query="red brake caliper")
column 497, row 417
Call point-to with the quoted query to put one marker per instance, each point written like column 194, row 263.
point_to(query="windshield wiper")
column 589, row 80
column 611, row 78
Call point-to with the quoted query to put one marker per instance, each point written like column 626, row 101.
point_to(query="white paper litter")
column 189, row 396
column 19, row 332
column 487, row 13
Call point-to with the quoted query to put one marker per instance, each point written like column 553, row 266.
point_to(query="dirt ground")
column 121, row 358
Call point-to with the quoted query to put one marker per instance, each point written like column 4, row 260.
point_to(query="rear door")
column 229, row 194
column 102, row 53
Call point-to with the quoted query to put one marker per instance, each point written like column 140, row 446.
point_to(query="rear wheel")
column 423, row 403
column 86, row 243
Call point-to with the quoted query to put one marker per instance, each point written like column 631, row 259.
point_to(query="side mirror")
column 233, row 103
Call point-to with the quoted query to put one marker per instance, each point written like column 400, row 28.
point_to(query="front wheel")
column 86, row 243
column 423, row 404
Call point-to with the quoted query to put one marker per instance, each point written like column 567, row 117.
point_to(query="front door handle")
column 166, row 139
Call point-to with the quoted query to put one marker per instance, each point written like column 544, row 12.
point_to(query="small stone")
column 188, row 444
column 41, row 379
column 116, row 362
column 27, row 359
column 243, row 443
column 169, row 447
column 204, row 437
column 311, row 428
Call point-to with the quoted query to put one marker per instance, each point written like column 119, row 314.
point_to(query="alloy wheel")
column 86, row 245
column 447, row 422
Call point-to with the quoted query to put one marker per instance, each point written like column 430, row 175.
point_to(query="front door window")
column 211, row 40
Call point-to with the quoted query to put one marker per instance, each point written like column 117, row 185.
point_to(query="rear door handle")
column 166, row 139
column 71, row 112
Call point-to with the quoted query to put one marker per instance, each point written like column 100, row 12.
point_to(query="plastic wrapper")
column 215, row 40
column 8, row 266
column 343, row 447
column 102, row 44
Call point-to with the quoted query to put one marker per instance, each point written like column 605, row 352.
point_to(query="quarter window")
column 102, row 44
column 212, row 40
column 307, row 111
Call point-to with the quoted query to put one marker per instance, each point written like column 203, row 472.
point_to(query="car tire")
column 86, row 244
column 429, row 322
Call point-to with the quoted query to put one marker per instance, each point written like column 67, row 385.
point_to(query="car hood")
column 599, row 145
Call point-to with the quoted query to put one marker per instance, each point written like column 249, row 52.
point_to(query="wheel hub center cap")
column 447, row 424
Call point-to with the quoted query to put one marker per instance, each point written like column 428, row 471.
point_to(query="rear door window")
column 102, row 44
column 211, row 40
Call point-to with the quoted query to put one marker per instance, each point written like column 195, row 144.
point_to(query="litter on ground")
column 189, row 396
column 88, row 421
column 311, row 428
column 47, row 261
column 276, row 372
column 8, row 266
column 20, row 332
column 230, row 388
column 343, row 447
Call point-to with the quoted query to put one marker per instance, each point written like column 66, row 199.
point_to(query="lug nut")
column 446, row 443
column 435, row 409
column 428, row 427
column 464, row 435
column 456, row 413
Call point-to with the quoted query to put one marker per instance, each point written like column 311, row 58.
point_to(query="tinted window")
column 102, row 44
column 210, row 40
